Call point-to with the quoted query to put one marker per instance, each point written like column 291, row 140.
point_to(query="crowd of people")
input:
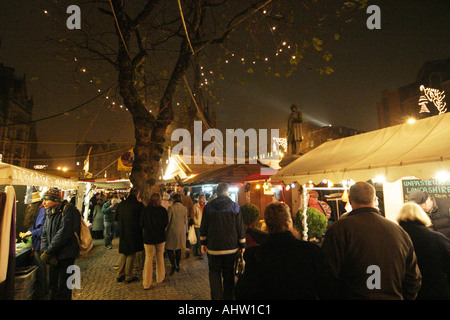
column 363, row 255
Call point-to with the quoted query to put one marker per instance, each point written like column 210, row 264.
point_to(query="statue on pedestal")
column 294, row 131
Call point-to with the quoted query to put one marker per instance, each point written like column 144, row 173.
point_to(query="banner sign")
column 437, row 188
column 125, row 162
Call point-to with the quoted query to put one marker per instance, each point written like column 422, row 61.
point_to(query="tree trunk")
column 150, row 132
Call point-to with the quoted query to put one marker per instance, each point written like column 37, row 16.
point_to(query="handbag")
column 191, row 235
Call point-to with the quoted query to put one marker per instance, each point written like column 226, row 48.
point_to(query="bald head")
column 362, row 194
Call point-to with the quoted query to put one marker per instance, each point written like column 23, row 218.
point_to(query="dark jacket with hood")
column 58, row 238
column 222, row 228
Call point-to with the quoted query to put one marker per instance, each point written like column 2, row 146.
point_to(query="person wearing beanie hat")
column 418, row 196
column 59, row 245
column 53, row 194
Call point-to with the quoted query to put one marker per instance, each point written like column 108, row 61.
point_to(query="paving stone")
column 98, row 279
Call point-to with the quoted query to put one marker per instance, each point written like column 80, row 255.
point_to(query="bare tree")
column 152, row 45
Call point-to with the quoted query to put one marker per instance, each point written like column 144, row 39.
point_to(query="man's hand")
column 49, row 259
column 204, row 249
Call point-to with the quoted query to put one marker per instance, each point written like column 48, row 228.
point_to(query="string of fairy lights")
column 208, row 74
column 281, row 47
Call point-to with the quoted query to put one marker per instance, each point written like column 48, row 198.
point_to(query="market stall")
column 419, row 150
column 17, row 184
column 233, row 174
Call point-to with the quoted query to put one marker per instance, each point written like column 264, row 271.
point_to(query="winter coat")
column 109, row 211
column 255, row 237
column 58, row 238
column 364, row 243
column 440, row 217
column 97, row 217
column 176, row 228
column 189, row 204
column 282, row 267
column 36, row 229
column 222, row 228
column 154, row 221
column 433, row 255
column 197, row 215
column 128, row 217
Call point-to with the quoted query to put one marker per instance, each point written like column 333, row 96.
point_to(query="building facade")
column 314, row 135
column 103, row 159
column 17, row 132
column 404, row 103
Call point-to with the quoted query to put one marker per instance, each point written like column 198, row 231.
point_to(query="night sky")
column 365, row 63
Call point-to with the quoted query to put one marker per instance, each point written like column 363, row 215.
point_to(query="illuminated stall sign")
column 434, row 96
column 439, row 191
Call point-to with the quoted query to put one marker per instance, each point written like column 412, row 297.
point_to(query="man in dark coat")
column 370, row 257
column 283, row 267
column 59, row 245
column 222, row 236
column 131, row 238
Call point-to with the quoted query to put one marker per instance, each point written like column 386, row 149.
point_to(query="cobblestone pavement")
column 98, row 278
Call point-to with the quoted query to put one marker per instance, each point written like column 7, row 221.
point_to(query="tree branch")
column 143, row 14
column 234, row 22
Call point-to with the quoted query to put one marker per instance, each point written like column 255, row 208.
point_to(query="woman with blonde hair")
column 432, row 249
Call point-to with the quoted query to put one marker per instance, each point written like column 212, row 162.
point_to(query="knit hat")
column 418, row 196
column 53, row 194
column 35, row 197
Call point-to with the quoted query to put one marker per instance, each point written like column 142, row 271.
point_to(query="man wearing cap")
column 439, row 218
column 59, row 245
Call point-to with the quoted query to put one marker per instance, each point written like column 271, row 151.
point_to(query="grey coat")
column 97, row 217
column 176, row 229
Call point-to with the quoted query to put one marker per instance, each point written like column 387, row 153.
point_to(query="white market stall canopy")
column 13, row 175
column 420, row 149
column 109, row 184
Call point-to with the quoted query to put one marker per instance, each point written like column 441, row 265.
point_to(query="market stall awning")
column 261, row 175
column 233, row 173
column 14, row 175
column 420, row 149
column 178, row 168
column 109, row 184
